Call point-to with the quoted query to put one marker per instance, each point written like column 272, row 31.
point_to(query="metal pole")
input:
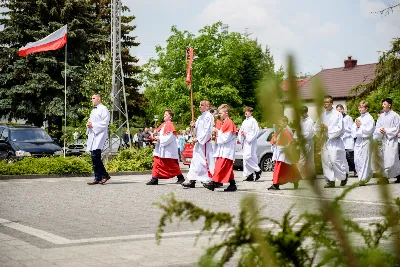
column 65, row 100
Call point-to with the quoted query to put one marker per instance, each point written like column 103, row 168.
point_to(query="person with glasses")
column 333, row 154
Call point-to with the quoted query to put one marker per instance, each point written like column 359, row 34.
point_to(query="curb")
column 67, row 175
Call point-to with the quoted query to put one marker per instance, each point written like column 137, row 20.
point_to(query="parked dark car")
column 17, row 142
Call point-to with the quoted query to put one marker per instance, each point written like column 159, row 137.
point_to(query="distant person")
column 146, row 137
column 181, row 143
column 127, row 138
column 97, row 131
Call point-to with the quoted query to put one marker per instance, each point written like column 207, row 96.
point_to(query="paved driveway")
column 64, row 222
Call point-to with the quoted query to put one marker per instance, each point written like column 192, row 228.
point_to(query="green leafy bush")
column 53, row 165
column 132, row 159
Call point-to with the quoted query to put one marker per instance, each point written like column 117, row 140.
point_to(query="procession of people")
column 361, row 146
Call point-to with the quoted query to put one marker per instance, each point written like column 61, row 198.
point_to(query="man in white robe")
column 306, row 163
column 348, row 140
column 387, row 130
column 202, row 164
column 248, row 134
column 97, row 132
column 333, row 154
column 362, row 130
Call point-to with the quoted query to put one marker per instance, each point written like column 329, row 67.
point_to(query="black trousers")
column 350, row 160
column 98, row 166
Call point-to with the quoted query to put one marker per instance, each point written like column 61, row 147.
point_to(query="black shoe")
column 180, row 181
column 397, row 180
column 383, row 181
column 355, row 174
column 274, row 187
column 249, row 178
column 218, row 185
column 330, row 185
column 209, row 186
column 258, row 175
column 190, row 184
column 231, row 188
column 343, row 182
column 153, row 181
column 296, row 185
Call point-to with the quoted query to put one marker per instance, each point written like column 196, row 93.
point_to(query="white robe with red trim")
column 226, row 142
column 202, row 164
column 166, row 147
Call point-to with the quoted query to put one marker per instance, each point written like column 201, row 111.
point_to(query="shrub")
column 50, row 165
column 132, row 159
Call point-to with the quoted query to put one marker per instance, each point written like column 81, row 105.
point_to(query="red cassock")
column 165, row 168
column 283, row 172
column 223, row 171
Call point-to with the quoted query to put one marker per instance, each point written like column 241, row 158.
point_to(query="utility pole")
column 118, row 94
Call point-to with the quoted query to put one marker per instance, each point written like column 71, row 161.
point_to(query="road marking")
column 58, row 240
column 55, row 239
column 325, row 199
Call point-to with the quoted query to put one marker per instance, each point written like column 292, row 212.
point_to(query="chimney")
column 350, row 63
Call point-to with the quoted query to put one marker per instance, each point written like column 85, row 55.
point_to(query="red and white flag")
column 54, row 41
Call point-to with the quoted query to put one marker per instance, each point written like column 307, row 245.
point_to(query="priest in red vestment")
column 166, row 158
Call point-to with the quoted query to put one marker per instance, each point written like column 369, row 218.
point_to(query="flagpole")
column 65, row 100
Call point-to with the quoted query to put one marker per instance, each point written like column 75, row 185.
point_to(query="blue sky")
column 321, row 34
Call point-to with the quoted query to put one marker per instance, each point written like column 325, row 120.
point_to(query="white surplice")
column 306, row 163
column 363, row 146
column 97, row 135
column 166, row 147
column 226, row 145
column 348, row 140
column 390, row 121
column 249, row 143
column 202, row 160
column 333, row 154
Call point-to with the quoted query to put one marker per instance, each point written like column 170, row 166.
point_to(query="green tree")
column 226, row 69
column 385, row 84
column 33, row 87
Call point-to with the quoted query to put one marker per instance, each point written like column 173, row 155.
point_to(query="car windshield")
column 29, row 135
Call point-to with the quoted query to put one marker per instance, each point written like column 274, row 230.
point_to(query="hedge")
column 127, row 160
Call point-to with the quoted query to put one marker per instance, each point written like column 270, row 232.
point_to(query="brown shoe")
column 93, row 182
column 104, row 180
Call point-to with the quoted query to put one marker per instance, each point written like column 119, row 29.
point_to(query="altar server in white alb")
column 306, row 163
column 248, row 134
column 362, row 130
column 202, row 164
column 333, row 155
column 386, row 130
column 348, row 140
column 97, row 132
column 166, row 158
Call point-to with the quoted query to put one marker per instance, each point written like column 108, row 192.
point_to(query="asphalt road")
column 114, row 224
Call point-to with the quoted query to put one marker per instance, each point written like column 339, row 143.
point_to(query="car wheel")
column 267, row 164
column 9, row 159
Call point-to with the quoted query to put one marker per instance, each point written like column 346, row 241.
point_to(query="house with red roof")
column 336, row 82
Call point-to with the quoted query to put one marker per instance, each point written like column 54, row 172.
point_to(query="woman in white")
column 362, row 130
